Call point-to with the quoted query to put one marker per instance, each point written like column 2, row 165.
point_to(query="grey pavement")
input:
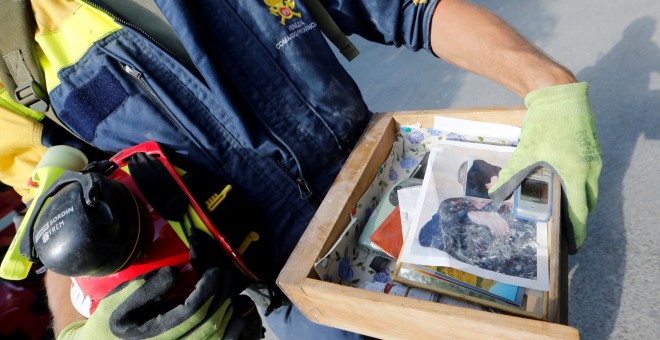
column 613, row 45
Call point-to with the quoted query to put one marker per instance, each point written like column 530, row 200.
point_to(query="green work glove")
column 559, row 133
column 129, row 310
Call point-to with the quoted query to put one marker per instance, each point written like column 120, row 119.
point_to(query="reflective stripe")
column 7, row 102
column 76, row 34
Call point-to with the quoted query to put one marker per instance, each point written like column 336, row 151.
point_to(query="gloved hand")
column 131, row 311
column 558, row 132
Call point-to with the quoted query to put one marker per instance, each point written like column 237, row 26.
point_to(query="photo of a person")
column 456, row 225
column 475, row 230
column 483, row 233
column 479, row 178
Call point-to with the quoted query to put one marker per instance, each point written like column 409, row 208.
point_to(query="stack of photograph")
column 460, row 243
column 426, row 228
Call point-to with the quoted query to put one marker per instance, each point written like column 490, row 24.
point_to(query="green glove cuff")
column 558, row 97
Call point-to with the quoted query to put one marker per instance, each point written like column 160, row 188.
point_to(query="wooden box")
column 385, row 316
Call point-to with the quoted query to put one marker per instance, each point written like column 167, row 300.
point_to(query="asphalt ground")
column 613, row 45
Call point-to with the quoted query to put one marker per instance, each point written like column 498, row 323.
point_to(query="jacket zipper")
column 139, row 79
column 143, row 32
column 305, row 192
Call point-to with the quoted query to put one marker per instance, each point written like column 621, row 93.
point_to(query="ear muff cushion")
column 76, row 239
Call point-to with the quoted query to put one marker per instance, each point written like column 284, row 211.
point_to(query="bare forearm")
column 474, row 39
column 59, row 300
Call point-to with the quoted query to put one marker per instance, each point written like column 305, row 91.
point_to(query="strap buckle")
column 32, row 96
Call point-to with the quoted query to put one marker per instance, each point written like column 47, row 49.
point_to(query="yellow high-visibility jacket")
column 60, row 42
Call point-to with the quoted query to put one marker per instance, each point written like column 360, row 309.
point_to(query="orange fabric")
column 389, row 236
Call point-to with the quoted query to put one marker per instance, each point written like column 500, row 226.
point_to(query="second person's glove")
column 131, row 311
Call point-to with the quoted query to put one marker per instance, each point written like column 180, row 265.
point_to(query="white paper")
column 408, row 198
column 337, row 243
column 475, row 128
column 441, row 184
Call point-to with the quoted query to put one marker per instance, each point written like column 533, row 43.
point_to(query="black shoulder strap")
column 331, row 30
column 20, row 70
column 153, row 22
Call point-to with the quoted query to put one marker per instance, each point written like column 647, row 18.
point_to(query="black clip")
column 32, row 96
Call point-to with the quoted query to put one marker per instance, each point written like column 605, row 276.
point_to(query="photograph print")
column 457, row 225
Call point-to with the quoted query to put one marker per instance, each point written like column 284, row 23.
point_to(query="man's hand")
column 559, row 133
column 131, row 310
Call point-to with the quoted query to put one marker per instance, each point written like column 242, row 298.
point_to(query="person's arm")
column 497, row 225
column 58, row 289
column 559, row 130
column 476, row 40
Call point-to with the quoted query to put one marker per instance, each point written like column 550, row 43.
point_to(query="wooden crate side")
column 334, row 213
column 554, row 247
column 386, row 316
column 503, row 115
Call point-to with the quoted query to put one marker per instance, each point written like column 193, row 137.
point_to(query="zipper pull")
column 131, row 71
column 307, row 194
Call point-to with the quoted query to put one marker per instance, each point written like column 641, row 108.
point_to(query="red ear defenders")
column 84, row 224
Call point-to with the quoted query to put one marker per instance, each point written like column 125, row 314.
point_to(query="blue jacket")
column 268, row 106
